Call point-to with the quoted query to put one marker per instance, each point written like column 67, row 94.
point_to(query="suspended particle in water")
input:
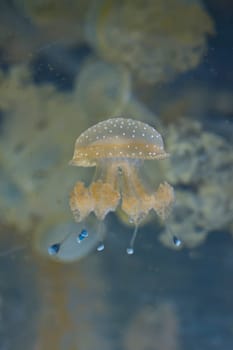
column 66, row 235
column 100, row 247
column 54, row 248
column 177, row 241
column 82, row 236
column 117, row 148
column 129, row 251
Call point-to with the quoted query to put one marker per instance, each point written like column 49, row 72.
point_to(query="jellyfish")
column 117, row 148
column 109, row 87
column 155, row 41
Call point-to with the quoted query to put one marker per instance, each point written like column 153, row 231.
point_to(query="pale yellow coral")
column 39, row 126
column 200, row 168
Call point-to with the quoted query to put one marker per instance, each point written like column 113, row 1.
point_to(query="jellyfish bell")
column 118, row 138
column 117, row 148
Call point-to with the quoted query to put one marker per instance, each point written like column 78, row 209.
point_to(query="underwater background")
column 65, row 66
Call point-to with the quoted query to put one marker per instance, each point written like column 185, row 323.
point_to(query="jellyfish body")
column 156, row 41
column 107, row 85
column 117, row 148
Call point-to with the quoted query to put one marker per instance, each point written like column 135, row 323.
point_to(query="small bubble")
column 176, row 241
column 129, row 251
column 120, row 172
column 100, row 247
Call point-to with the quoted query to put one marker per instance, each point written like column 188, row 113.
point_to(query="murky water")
column 66, row 281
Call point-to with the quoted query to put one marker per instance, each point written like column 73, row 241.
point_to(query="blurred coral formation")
column 154, row 327
column 29, row 28
column 200, row 168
